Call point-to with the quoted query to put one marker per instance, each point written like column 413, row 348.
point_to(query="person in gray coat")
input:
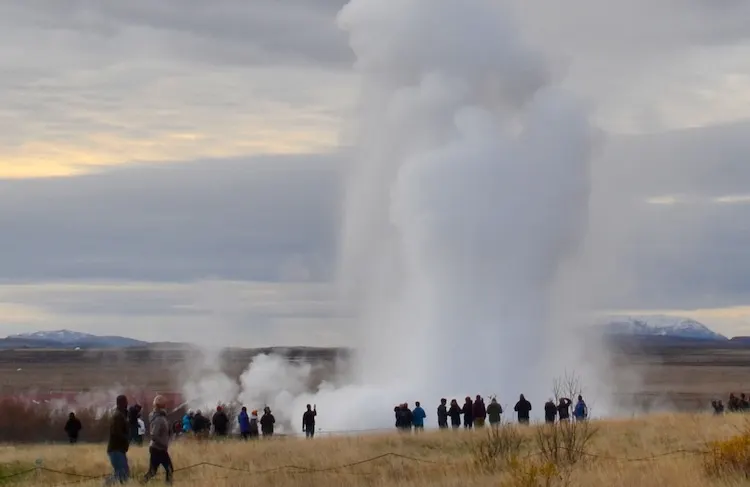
column 159, row 448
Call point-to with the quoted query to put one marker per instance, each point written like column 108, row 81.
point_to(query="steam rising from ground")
column 468, row 192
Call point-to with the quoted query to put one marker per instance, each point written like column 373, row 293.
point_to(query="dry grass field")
column 658, row 451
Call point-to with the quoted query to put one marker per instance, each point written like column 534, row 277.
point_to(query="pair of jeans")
column 120, row 468
column 159, row 458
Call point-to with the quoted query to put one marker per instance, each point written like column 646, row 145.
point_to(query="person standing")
column 480, row 412
column 244, row 420
column 253, row 433
column 134, row 412
column 308, row 421
column 267, row 422
column 494, row 411
column 417, row 417
column 220, row 422
column 455, row 413
column 468, row 411
column 581, row 411
column 563, row 409
column 442, row 414
column 523, row 408
column 550, row 411
column 73, row 428
column 119, row 442
column 158, row 450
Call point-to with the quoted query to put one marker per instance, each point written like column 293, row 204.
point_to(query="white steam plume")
column 469, row 191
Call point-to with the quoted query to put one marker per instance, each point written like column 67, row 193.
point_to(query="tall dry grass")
column 658, row 451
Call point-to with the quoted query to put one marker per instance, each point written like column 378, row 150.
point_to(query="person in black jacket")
column 119, row 442
column 468, row 411
column 134, row 412
column 308, row 421
column 563, row 409
column 442, row 414
column 72, row 428
column 201, row 424
column 523, row 408
column 220, row 422
column 550, row 411
column 455, row 413
column 266, row 423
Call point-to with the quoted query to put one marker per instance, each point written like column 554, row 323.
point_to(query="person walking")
column 73, row 428
column 119, row 442
column 158, row 449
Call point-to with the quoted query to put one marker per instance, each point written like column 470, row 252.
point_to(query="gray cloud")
column 266, row 219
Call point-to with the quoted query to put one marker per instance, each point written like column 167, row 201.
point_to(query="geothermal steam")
column 468, row 191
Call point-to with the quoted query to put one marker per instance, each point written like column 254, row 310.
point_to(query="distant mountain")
column 659, row 326
column 67, row 339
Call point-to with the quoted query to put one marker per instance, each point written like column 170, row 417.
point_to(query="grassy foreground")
column 659, row 451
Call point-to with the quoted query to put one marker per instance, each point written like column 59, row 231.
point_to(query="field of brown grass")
column 658, row 451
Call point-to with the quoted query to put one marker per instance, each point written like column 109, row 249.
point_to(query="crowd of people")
column 474, row 413
column 735, row 404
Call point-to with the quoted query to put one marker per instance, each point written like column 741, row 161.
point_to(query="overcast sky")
column 173, row 168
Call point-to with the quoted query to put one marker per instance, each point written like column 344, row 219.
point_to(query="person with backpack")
column 581, row 411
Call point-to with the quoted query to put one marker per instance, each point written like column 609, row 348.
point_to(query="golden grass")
column 449, row 459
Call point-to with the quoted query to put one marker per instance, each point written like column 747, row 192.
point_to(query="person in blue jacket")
column 187, row 422
column 418, row 416
column 244, row 420
column 581, row 411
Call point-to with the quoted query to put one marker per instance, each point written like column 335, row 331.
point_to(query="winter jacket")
column 581, row 411
column 244, row 420
column 550, row 411
column 187, row 423
column 455, row 413
column 523, row 408
column 308, row 420
column 468, row 411
column 480, row 412
column 563, row 409
column 266, row 423
column 73, row 427
column 442, row 415
column 119, row 432
column 220, row 422
column 418, row 416
column 159, row 429
column 494, row 410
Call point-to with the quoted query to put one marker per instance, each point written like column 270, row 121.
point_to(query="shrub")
column 499, row 447
column 564, row 443
column 529, row 473
column 729, row 457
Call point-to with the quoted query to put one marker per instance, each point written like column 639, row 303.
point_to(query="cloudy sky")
column 172, row 169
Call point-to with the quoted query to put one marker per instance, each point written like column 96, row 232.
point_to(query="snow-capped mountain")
column 659, row 325
column 69, row 339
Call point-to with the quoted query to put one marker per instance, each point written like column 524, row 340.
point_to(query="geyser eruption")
column 468, row 190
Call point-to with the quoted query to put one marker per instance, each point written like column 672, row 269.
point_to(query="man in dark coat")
column 308, row 421
column 72, row 428
column 523, row 408
column 442, row 414
column 119, row 442
column 220, row 422
column 468, row 411
column 550, row 411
